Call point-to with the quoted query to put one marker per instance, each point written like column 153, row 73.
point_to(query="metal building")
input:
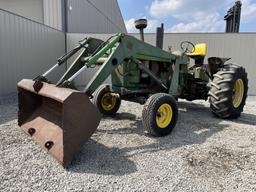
column 26, row 49
column 75, row 16
column 32, row 9
column 48, row 12
column 94, row 16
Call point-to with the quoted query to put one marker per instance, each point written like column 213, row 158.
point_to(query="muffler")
column 59, row 119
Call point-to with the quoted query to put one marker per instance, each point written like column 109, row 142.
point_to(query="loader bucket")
column 59, row 119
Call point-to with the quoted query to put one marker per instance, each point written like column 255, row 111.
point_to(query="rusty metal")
column 59, row 119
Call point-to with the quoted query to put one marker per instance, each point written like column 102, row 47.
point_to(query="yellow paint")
column 108, row 101
column 200, row 50
column 238, row 93
column 164, row 115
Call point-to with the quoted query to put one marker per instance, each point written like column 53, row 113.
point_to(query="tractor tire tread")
column 221, row 91
column 148, row 119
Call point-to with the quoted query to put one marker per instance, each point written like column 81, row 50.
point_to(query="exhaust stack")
column 160, row 36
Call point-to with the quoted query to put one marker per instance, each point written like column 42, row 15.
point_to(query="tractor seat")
column 198, row 54
column 200, row 51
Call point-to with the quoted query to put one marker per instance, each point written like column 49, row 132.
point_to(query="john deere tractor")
column 61, row 118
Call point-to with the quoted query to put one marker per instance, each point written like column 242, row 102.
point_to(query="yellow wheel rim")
column 238, row 93
column 164, row 115
column 108, row 101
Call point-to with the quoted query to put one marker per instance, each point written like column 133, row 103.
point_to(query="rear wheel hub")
column 238, row 93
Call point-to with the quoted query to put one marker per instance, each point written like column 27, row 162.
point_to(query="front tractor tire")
column 228, row 92
column 160, row 114
column 106, row 101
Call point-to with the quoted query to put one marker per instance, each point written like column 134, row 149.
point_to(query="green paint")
column 136, row 68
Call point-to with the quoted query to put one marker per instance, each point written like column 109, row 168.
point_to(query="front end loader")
column 61, row 118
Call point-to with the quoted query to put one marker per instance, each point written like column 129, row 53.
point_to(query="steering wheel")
column 187, row 47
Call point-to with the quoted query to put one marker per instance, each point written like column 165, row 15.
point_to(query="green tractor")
column 160, row 85
column 61, row 118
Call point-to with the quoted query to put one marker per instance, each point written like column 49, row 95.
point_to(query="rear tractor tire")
column 106, row 101
column 160, row 114
column 228, row 92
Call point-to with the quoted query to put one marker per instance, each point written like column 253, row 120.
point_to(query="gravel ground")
column 202, row 154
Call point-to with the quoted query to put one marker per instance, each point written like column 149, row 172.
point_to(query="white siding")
column 31, row 9
column 27, row 49
column 84, row 18
column 53, row 11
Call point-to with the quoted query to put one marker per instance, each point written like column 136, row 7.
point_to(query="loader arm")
column 119, row 49
column 129, row 49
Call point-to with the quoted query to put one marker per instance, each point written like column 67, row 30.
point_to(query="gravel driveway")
column 202, row 154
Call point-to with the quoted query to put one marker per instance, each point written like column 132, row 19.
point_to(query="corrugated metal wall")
column 83, row 17
column 32, row 9
column 240, row 47
column 48, row 12
column 53, row 11
column 26, row 49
